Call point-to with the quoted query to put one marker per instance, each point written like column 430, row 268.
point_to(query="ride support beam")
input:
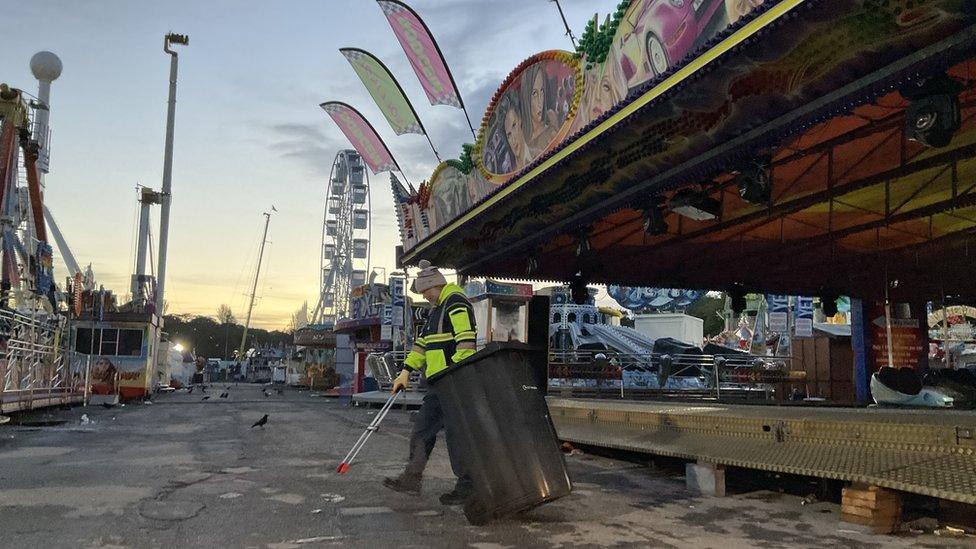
column 36, row 195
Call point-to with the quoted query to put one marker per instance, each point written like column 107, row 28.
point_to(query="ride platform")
column 929, row 452
column 20, row 401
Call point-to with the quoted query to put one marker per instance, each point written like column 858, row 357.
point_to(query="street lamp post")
column 167, row 196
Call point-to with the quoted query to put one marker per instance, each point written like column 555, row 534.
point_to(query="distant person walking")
column 447, row 338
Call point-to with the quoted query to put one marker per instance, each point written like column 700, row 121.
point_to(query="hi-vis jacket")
column 447, row 338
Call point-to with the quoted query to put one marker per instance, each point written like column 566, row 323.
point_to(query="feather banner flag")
column 424, row 54
column 386, row 91
column 362, row 136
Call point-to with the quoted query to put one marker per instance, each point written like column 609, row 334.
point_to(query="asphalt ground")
column 187, row 472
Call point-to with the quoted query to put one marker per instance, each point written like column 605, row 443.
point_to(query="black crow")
column 205, row 398
column 261, row 422
column 223, row 395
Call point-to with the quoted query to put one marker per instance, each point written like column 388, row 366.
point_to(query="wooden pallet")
column 877, row 509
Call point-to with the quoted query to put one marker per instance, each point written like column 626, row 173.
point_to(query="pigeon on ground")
column 261, row 422
column 223, row 395
column 205, row 398
column 266, row 394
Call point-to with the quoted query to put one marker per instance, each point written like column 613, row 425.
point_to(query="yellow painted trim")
column 737, row 37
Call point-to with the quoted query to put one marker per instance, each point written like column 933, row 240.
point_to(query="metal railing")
column 35, row 369
column 734, row 374
column 384, row 367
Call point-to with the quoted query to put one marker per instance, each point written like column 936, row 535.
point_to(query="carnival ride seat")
column 903, row 387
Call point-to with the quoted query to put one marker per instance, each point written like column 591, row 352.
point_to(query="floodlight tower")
column 167, row 196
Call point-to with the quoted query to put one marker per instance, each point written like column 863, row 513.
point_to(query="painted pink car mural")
column 654, row 34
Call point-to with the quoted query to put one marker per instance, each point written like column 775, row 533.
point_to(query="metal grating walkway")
column 921, row 451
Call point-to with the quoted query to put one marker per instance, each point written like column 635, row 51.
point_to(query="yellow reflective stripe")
column 460, row 319
column 439, row 338
column 464, row 336
column 462, row 354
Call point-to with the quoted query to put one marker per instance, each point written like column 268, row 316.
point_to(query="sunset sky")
column 249, row 131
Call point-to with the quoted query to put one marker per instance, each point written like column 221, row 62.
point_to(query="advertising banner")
column 804, row 317
column 779, row 313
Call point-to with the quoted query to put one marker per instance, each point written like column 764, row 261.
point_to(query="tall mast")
column 167, row 195
column 254, row 288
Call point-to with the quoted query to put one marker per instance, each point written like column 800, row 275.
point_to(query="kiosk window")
column 83, row 341
column 130, row 342
column 110, row 342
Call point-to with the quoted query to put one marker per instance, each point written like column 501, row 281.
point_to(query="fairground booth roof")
column 799, row 146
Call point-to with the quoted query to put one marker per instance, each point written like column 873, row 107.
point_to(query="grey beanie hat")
column 429, row 277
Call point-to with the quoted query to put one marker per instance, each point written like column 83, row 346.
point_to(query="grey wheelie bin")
column 495, row 411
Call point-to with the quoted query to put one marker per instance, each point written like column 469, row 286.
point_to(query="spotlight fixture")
column 578, row 291
column 653, row 213
column 174, row 38
column 828, row 304
column 737, row 296
column 754, row 181
column 583, row 242
column 933, row 115
column 695, row 205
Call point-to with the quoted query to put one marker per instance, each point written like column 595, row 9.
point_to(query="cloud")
column 305, row 143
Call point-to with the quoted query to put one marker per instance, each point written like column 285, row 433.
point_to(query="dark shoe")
column 402, row 483
column 455, row 497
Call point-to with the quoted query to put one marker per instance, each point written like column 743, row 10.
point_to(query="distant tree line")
column 218, row 337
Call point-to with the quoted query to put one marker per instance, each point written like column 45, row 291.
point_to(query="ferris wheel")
column 346, row 231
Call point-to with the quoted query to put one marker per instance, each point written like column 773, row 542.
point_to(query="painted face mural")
column 529, row 117
column 605, row 87
column 540, row 104
column 453, row 192
column 735, row 9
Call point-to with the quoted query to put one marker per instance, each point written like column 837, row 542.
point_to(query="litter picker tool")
column 373, row 426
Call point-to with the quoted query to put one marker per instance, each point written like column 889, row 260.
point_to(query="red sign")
column 907, row 341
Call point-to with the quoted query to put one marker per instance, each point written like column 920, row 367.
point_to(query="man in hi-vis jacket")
column 447, row 338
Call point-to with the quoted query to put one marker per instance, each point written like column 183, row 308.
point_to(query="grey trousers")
column 427, row 423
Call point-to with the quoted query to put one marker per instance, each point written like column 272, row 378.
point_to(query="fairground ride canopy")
column 698, row 144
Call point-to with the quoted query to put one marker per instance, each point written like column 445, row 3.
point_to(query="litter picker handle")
column 373, row 426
